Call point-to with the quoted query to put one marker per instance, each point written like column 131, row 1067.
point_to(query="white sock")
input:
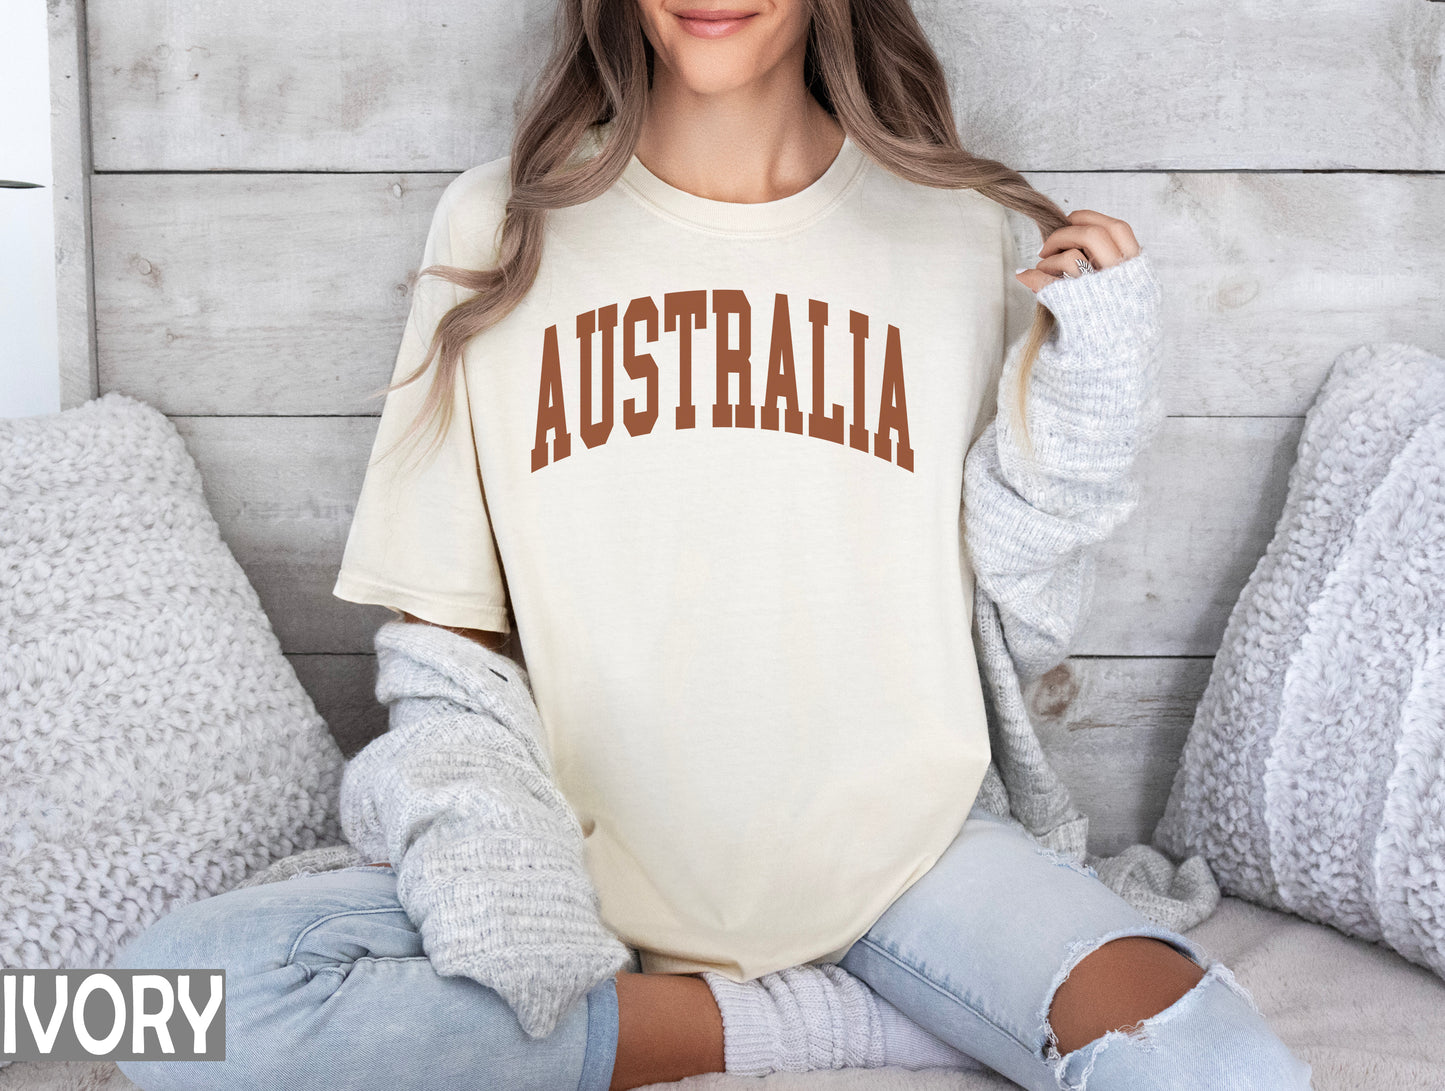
column 819, row 1016
column 797, row 1020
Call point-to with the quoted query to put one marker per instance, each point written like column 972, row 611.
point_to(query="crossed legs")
column 315, row 963
column 670, row 1028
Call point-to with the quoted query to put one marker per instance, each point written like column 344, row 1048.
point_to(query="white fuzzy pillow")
column 155, row 745
column 1313, row 778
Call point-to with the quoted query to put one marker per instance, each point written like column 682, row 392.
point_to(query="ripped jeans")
column 328, row 986
column 974, row 951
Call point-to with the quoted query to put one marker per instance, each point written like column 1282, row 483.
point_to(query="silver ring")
column 1085, row 266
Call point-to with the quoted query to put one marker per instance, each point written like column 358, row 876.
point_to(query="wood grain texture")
column 333, row 85
column 286, row 294
column 1067, row 85
column 1267, row 277
column 1213, row 489
column 343, row 688
column 256, row 293
column 71, row 174
column 1114, row 729
column 282, row 491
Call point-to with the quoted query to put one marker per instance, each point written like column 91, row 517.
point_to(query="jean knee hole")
column 1138, row 1035
column 1080, row 949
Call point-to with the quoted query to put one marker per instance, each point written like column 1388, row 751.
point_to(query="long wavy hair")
column 868, row 63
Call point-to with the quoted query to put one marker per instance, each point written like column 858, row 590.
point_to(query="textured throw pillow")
column 1313, row 778
column 155, row 745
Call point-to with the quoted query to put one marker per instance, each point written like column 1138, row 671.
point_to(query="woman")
column 731, row 316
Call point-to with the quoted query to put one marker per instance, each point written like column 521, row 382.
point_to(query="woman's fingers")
column 1093, row 241
column 1066, row 264
column 1098, row 239
column 1034, row 279
column 1063, row 264
column 1104, row 240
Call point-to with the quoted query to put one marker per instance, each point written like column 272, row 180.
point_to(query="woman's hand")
column 1102, row 240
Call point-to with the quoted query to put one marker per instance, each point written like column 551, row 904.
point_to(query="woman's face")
column 712, row 46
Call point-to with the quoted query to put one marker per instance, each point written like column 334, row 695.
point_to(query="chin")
column 717, row 65
column 713, row 76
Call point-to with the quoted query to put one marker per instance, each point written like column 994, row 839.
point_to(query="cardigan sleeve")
column 459, row 796
column 1032, row 522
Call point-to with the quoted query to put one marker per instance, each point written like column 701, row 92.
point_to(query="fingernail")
column 1022, row 269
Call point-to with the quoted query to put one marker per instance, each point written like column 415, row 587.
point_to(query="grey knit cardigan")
column 458, row 794
column 1031, row 525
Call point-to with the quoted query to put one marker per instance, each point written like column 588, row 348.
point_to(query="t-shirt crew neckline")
column 760, row 218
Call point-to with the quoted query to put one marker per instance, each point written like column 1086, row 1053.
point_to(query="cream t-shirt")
column 713, row 464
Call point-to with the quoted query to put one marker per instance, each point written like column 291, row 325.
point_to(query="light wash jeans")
column 974, row 950
column 327, row 986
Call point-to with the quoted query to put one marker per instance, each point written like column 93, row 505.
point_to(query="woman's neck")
column 757, row 144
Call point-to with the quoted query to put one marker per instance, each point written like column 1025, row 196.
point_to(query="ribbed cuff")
column 1092, row 399
column 860, row 1034
column 457, row 658
column 750, row 1026
column 799, row 1019
column 1105, row 304
column 600, row 1056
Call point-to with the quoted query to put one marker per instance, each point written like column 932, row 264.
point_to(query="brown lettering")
column 640, row 366
column 858, row 431
column 595, row 433
column 782, row 380
column 733, row 361
column 893, row 407
column 551, row 414
column 685, row 312
column 826, row 426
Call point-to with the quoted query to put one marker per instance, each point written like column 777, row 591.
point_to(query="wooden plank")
column 343, row 688
column 1267, row 278
column 256, row 293
column 331, row 85
column 70, row 169
column 1213, row 489
column 283, row 490
column 372, row 85
column 267, row 293
column 1114, row 730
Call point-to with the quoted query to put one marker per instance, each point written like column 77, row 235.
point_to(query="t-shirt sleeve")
column 1020, row 301
column 1018, row 315
column 421, row 539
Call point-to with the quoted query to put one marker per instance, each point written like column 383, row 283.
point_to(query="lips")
column 713, row 23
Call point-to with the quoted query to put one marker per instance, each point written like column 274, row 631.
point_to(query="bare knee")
column 1117, row 985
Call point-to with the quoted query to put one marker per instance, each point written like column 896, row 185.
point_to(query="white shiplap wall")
column 29, row 353
column 264, row 174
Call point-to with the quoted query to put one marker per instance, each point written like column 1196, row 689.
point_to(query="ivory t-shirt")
column 711, row 467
